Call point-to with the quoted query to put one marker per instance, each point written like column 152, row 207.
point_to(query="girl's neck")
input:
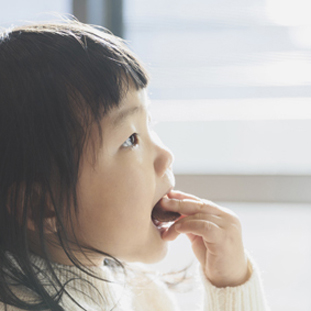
column 58, row 255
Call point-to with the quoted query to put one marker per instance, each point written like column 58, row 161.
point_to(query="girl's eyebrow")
column 123, row 114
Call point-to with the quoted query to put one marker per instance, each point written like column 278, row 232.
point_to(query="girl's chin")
column 158, row 254
column 154, row 255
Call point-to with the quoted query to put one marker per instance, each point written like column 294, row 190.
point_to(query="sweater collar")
column 93, row 287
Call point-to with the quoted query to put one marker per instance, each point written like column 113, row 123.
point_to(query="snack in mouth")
column 164, row 216
column 161, row 215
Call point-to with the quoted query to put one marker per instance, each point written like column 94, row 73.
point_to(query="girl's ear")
column 49, row 221
column 35, row 203
column 49, row 225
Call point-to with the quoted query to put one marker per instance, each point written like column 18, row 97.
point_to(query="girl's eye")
column 132, row 141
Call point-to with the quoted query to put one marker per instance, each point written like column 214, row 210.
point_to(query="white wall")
column 256, row 137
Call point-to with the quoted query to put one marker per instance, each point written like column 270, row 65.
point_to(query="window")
column 222, row 49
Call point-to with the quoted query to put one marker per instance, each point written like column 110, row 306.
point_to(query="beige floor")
column 279, row 238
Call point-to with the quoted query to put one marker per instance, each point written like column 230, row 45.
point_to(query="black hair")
column 56, row 81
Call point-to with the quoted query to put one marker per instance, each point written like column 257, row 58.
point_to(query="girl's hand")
column 216, row 237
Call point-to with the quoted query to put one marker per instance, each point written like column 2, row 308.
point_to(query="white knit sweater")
column 138, row 291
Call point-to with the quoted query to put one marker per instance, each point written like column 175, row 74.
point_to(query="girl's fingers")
column 209, row 206
column 171, row 234
column 190, row 206
column 179, row 195
column 219, row 221
column 184, row 207
column 191, row 236
column 209, row 231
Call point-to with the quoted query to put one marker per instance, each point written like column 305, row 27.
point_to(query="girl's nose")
column 164, row 157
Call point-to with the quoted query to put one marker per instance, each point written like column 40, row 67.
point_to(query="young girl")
column 86, row 186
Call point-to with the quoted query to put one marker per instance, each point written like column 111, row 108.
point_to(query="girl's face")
column 117, row 192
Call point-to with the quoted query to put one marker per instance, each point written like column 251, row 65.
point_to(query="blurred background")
column 231, row 91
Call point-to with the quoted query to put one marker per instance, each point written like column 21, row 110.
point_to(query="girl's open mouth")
column 161, row 218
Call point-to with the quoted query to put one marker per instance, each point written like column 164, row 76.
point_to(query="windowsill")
column 247, row 188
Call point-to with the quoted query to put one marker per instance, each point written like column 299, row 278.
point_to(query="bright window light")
column 289, row 12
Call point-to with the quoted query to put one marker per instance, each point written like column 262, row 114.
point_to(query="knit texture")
column 139, row 291
column 246, row 297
